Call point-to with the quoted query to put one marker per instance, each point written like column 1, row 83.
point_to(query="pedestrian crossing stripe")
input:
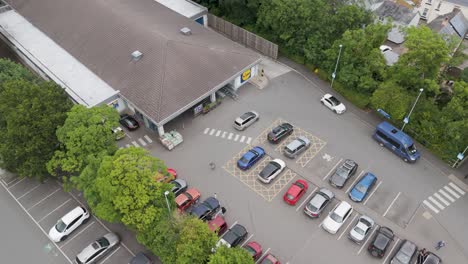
column 441, row 199
column 451, row 192
column 227, row 135
column 457, row 188
column 446, row 195
column 443, row 196
column 430, row 206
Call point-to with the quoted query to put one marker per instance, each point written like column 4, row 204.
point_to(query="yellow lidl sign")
column 246, row 75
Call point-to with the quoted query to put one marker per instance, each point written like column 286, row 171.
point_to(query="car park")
column 68, row 223
column 296, row 147
column 99, row 248
column 295, row 192
column 206, row 209
column 362, row 229
column 140, row 258
column 343, row 173
column 187, row 198
column 432, row 258
column 280, row 132
column 245, row 120
column 360, row 190
column 254, row 249
column 269, row 259
column 405, row 253
column 250, row 158
column 271, row 170
column 218, row 225
column 337, row 217
column 318, row 202
column 333, row 103
column 381, row 242
column 233, row 237
column 129, row 122
column 179, row 186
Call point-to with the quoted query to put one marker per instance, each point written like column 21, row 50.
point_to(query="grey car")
column 432, row 259
column 180, row 186
column 343, row 173
column 318, row 202
column 362, row 229
column 405, row 253
column 99, row 248
column 296, row 147
column 245, row 120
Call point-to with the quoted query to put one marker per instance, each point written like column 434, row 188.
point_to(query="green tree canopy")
column 225, row 255
column 392, row 99
column 13, row 71
column 195, row 243
column 29, row 115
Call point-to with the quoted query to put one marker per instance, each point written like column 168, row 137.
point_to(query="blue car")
column 362, row 187
column 250, row 158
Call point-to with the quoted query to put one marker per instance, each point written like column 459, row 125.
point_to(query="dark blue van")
column 397, row 141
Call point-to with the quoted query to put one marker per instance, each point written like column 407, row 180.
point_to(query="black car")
column 233, row 236
column 207, row 209
column 343, row 173
column 129, row 122
column 280, row 132
column 381, row 241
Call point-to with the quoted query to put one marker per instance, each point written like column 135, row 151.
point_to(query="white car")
column 385, row 48
column 271, row 170
column 68, row 223
column 362, row 229
column 337, row 217
column 245, row 120
column 334, row 104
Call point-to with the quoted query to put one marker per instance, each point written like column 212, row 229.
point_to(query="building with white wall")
column 431, row 9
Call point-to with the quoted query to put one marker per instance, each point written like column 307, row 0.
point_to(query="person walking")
column 440, row 245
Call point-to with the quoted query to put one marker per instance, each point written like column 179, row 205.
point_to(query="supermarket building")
column 156, row 59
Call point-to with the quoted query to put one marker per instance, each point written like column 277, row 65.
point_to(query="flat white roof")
column 186, row 8
column 79, row 82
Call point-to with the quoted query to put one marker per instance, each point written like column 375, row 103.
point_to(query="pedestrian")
column 440, row 245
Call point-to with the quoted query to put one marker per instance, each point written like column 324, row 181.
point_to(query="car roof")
column 342, row 208
column 368, row 178
column 256, row 246
column 327, row 192
column 396, row 133
column 294, row 189
column 216, row 222
column 211, row 202
column 408, row 247
column 193, row 192
column 199, row 210
column 239, row 229
column 296, row 143
column 72, row 215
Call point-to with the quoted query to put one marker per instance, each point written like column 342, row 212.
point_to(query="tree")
column 392, row 99
column 29, row 115
column 86, row 133
column 226, row 255
column 195, row 242
column 13, row 71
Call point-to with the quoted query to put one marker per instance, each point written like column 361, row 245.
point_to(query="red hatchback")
column 254, row 249
column 295, row 192
column 270, row 259
column 187, row 198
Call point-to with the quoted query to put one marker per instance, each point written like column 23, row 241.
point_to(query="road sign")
column 460, row 156
column 406, row 120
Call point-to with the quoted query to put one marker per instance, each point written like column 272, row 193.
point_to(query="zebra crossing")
column 227, row 135
column 140, row 142
column 441, row 199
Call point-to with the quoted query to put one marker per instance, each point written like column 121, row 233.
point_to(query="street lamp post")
column 166, row 193
column 460, row 157
column 406, row 120
column 336, row 66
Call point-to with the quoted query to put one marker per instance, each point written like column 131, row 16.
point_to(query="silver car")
column 245, row 120
column 99, row 248
column 405, row 253
column 296, row 147
column 362, row 229
column 318, row 202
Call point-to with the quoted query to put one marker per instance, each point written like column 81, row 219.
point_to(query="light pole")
column 406, row 120
column 336, row 66
column 460, row 157
column 166, row 193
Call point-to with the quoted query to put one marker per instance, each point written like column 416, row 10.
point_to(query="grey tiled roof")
column 396, row 11
column 453, row 23
column 175, row 69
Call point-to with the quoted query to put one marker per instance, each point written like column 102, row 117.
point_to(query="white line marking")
column 50, row 194
column 367, row 239
column 451, row 192
column 15, row 179
column 446, row 195
column 457, row 188
column 76, row 234
column 142, row 142
column 127, row 145
column 236, row 138
column 22, row 179
column 69, row 199
column 135, row 144
column 249, row 140
column 426, row 203
column 390, row 252
column 233, row 224
column 372, row 193
column 230, row 136
column 148, row 139
column 38, row 225
column 242, row 139
column 264, row 254
column 35, row 187
column 212, row 131
column 306, row 199
column 441, row 199
column 206, row 130
column 390, row 206
column 434, row 201
column 247, row 240
column 110, row 255
column 334, row 167
column 355, row 180
column 218, row 133
column 350, row 223
column 224, row 134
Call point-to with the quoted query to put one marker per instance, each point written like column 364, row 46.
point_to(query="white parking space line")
column 441, row 199
column 212, row 131
column 434, row 201
column 127, row 145
column 38, row 225
column 230, row 136
column 218, row 133
column 110, row 255
column 247, row 240
column 451, row 191
column 10, row 182
column 135, row 144
column 446, row 195
column 28, row 192
column 76, row 234
column 236, row 138
column 142, row 142
column 355, row 180
column 367, row 239
column 263, row 255
column 22, row 179
column 233, row 224
column 333, row 169
column 350, row 223
column 305, row 200
column 426, row 203
column 372, row 193
column 390, row 206
column 457, row 188
column 249, row 140
column 224, row 134
column 148, row 139
column 242, row 139
column 43, row 199
column 390, row 253
column 44, row 217
column 206, row 130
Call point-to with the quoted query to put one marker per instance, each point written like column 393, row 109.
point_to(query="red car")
column 270, row 259
column 295, row 192
column 187, row 198
column 172, row 172
column 254, row 249
column 218, row 225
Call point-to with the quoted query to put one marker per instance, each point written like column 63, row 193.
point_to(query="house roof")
column 453, row 23
column 175, row 70
column 397, row 12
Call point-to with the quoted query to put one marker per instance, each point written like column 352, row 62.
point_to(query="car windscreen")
column 412, row 149
column 269, row 169
column 359, row 230
column 251, row 251
column 342, row 172
column 336, row 217
column 290, row 196
column 103, row 242
column 60, row 226
column 244, row 160
column 334, row 100
column 276, row 130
